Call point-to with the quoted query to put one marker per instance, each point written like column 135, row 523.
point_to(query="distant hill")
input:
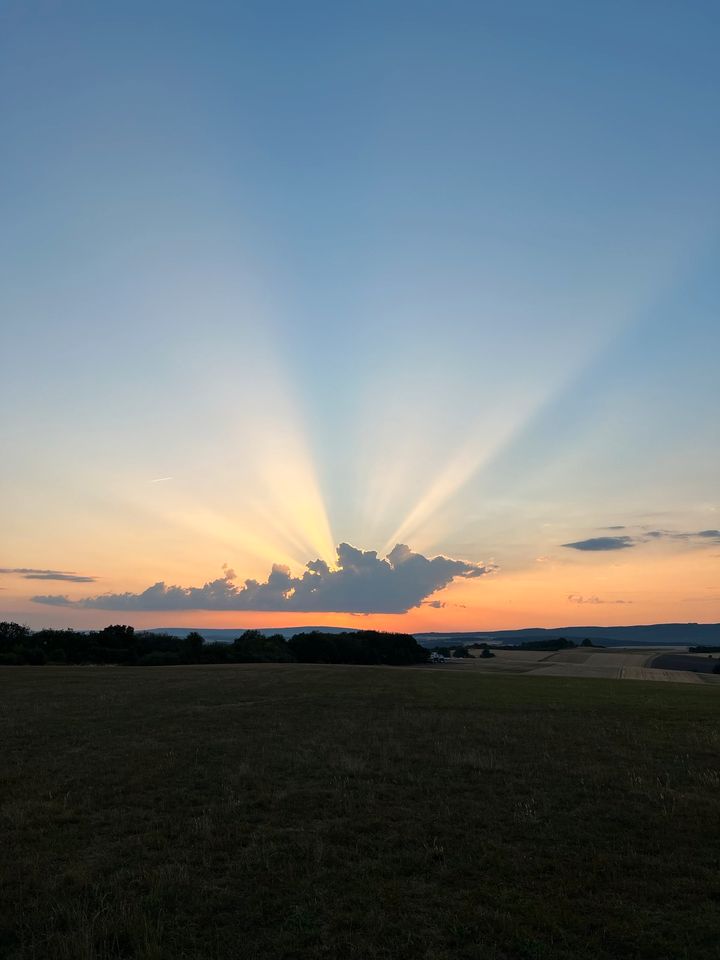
column 227, row 636
column 653, row 634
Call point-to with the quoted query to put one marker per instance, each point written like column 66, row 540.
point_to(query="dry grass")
column 313, row 811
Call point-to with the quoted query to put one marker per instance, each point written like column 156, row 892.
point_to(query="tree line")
column 123, row 645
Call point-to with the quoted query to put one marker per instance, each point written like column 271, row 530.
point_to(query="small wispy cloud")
column 442, row 604
column 601, row 543
column 161, row 479
column 622, row 542
column 29, row 573
column 578, row 598
column 702, row 536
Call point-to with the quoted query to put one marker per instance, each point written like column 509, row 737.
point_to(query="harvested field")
column 608, row 664
column 699, row 663
column 667, row 676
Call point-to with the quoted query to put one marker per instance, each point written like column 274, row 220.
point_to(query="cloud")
column 617, row 526
column 441, row 604
column 361, row 583
column 645, row 536
column 28, row 573
column 713, row 536
column 577, row 598
column 602, row 543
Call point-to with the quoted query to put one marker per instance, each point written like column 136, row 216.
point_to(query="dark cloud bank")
column 362, row 583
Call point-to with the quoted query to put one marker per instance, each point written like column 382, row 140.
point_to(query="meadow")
column 295, row 811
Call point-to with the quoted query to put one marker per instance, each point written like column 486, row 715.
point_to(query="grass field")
column 355, row 812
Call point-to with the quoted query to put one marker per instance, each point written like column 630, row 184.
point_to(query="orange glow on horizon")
column 655, row 587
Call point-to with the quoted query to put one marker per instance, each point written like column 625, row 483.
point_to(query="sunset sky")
column 279, row 277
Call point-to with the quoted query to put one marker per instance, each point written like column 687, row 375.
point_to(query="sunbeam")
column 275, row 291
column 509, row 417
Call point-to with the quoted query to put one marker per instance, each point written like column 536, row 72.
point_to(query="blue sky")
column 442, row 274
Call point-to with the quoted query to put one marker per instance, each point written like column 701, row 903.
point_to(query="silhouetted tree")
column 254, row 647
column 116, row 644
column 15, row 642
column 120, row 644
column 12, row 635
column 367, row 646
column 551, row 643
column 193, row 645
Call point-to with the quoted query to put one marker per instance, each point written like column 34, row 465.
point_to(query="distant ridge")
column 644, row 634
column 229, row 635
column 651, row 634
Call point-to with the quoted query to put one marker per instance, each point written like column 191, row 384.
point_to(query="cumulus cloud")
column 602, row 543
column 27, row 573
column 577, row 598
column 361, row 583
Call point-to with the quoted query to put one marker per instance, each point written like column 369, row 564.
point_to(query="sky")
column 394, row 315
